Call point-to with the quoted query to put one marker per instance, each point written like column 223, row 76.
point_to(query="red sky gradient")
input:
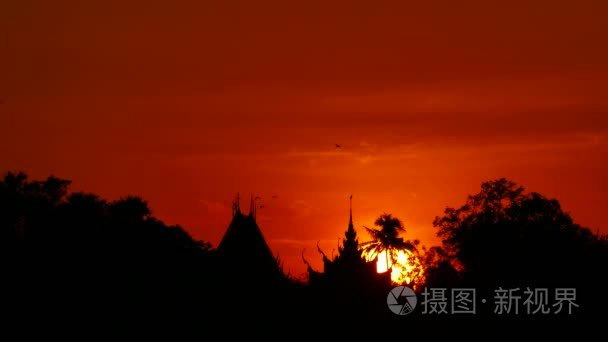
column 187, row 103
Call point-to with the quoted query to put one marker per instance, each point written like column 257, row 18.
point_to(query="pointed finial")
column 236, row 205
column 351, row 209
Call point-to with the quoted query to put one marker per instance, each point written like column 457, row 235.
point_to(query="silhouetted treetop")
column 130, row 208
column 386, row 238
column 506, row 235
column 54, row 221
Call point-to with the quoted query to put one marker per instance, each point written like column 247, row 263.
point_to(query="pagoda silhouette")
column 349, row 268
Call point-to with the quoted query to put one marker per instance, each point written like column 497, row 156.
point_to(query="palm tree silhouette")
column 386, row 239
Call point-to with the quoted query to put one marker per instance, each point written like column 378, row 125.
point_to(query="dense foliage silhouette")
column 505, row 236
column 80, row 255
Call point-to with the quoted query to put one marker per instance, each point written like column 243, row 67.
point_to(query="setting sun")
column 406, row 269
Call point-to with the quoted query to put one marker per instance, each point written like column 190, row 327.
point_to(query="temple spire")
column 350, row 221
column 351, row 242
column 236, row 205
column 252, row 207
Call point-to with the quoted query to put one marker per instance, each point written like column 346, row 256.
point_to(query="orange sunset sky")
column 188, row 103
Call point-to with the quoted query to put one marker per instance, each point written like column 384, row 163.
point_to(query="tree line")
column 73, row 248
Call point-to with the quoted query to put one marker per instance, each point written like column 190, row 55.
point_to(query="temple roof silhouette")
column 244, row 245
column 349, row 266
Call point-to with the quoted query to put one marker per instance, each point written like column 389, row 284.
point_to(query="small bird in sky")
column 338, row 146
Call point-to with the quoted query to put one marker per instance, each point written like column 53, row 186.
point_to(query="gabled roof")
column 244, row 244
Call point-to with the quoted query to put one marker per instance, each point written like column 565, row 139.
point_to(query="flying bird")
column 338, row 146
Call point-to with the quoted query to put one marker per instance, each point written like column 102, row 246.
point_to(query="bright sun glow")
column 407, row 269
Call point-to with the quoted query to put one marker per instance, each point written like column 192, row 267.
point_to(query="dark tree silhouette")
column 505, row 236
column 438, row 268
column 87, row 255
column 386, row 239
